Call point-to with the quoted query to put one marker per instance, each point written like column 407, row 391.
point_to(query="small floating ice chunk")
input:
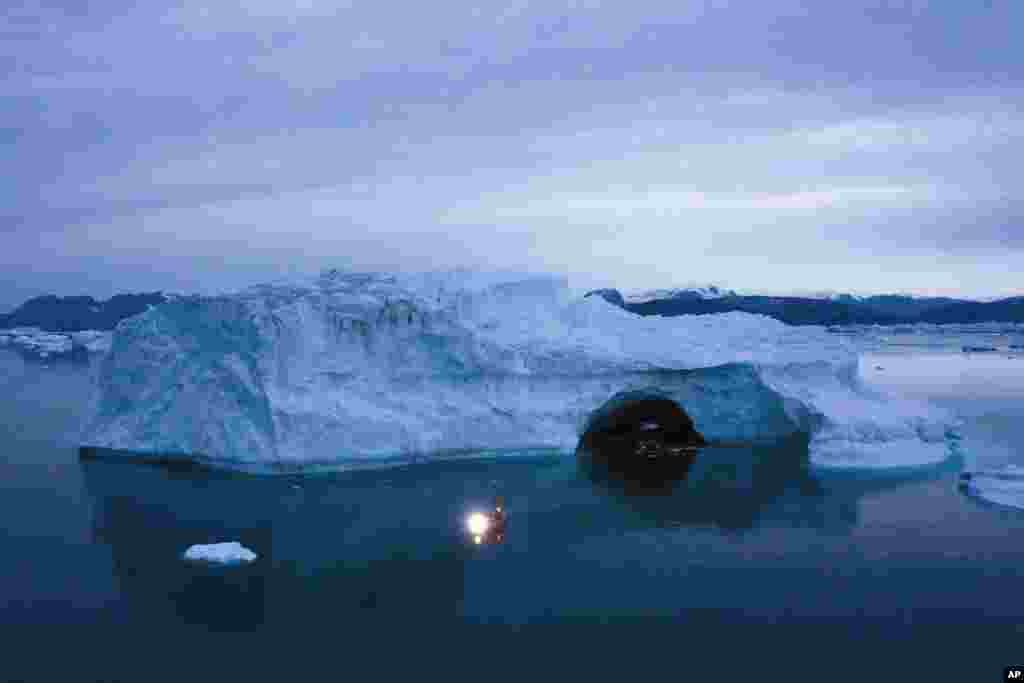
column 1004, row 486
column 220, row 553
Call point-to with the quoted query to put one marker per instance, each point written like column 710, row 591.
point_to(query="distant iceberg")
column 356, row 369
column 37, row 343
column 220, row 553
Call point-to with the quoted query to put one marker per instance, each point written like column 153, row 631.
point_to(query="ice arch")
column 632, row 414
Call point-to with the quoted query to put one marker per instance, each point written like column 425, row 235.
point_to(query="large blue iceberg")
column 365, row 369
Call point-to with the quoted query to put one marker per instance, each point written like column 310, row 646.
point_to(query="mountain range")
column 887, row 309
column 77, row 313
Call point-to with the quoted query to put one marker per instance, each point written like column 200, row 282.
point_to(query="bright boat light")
column 477, row 523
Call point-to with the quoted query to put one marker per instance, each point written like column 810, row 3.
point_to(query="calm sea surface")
column 753, row 564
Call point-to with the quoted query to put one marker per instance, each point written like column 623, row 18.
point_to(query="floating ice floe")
column 356, row 369
column 1003, row 486
column 220, row 553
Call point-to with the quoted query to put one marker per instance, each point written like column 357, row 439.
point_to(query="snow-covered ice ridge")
column 364, row 369
column 46, row 344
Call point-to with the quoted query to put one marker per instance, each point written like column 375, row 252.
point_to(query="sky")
column 775, row 146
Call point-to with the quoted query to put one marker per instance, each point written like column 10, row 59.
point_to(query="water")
column 985, row 389
column 753, row 563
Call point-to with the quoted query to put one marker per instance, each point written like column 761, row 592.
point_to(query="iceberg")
column 231, row 552
column 1002, row 486
column 366, row 369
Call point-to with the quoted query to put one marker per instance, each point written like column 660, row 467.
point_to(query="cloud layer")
column 789, row 145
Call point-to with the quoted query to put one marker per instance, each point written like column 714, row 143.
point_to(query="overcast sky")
column 785, row 145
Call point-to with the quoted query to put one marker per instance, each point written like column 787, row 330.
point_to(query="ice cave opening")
column 641, row 425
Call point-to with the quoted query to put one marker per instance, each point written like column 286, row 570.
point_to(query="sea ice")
column 231, row 552
column 367, row 369
column 1003, row 486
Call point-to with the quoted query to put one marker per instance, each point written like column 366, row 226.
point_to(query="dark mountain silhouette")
column 76, row 313
column 887, row 309
column 612, row 296
column 902, row 306
column 1002, row 311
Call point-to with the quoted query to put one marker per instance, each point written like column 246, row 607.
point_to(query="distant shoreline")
column 874, row 310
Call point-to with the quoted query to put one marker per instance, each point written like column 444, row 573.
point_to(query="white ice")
column 370, row 368
column 35, row 341
column 1003, row 485
column 231, row 552
column 46, row 344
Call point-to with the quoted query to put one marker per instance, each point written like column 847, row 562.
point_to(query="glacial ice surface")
column 350, row 369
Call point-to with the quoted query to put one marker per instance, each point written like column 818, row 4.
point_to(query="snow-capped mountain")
column 363, row 369
column 828, row 295
column 821, row 308
column 693, row 292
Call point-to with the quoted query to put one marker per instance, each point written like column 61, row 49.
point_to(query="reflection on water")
column 954, row 378
column 987, row 391
column 353, row 548
column 146, row 538
column 329, row 548
column 342, row 551
column 741, row 488
column 730, row 488
column 751, row 541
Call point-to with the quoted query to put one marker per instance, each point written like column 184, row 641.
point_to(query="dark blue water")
column 751, row 564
